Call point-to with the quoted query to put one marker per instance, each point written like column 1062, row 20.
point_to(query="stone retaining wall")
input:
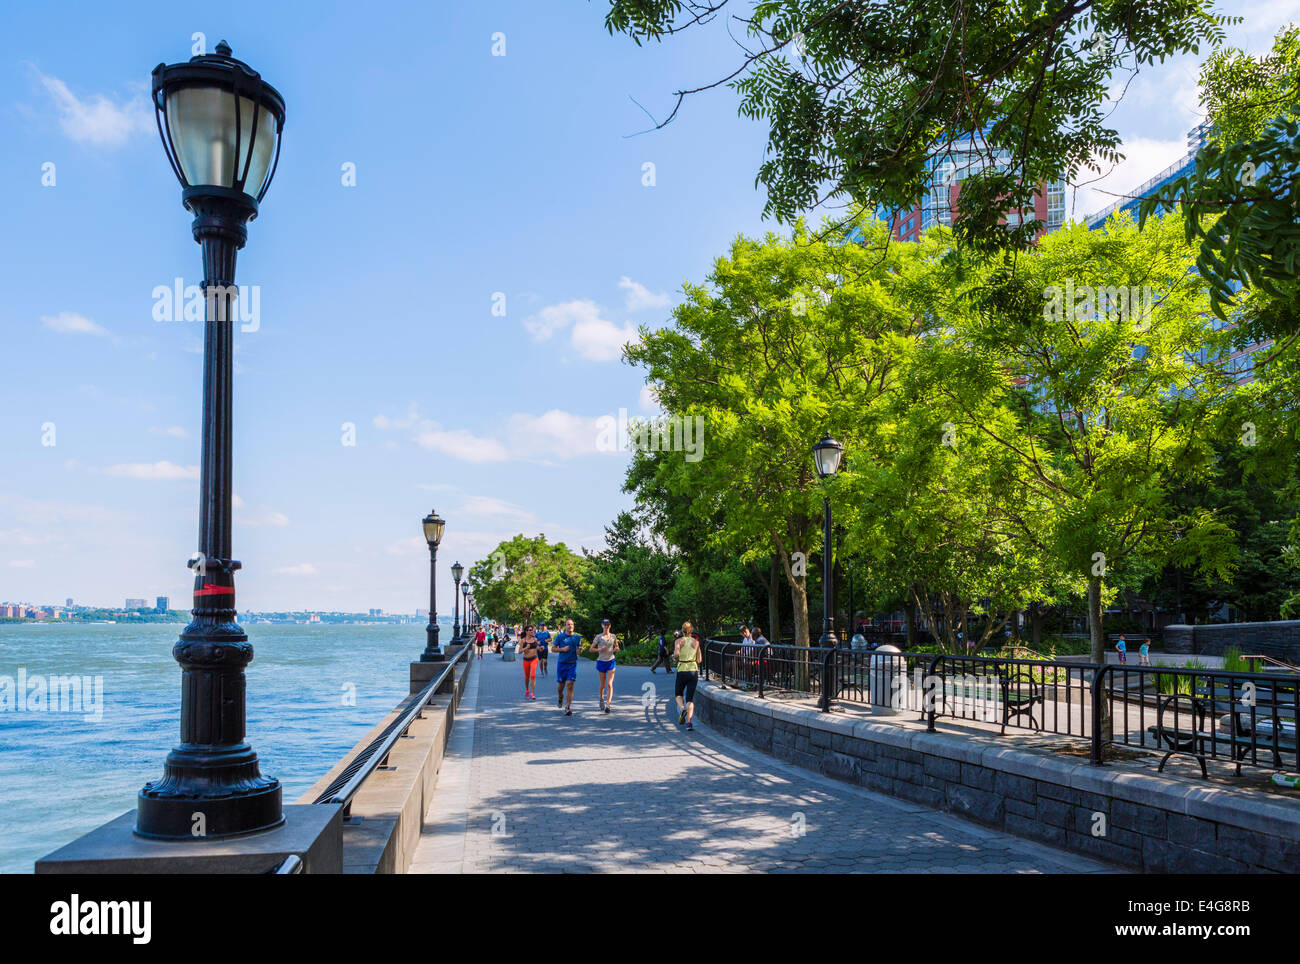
column 1150, row 823
column 1279, row 639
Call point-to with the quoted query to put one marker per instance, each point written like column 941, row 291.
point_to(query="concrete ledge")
column 387, row 813
column 1142, row 820
column 313, row 833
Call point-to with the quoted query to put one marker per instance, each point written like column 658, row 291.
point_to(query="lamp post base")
column 253, row 809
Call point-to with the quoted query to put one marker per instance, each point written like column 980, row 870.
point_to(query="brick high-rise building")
column 948, row 168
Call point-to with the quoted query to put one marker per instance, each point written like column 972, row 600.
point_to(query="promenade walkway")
column 526, row 789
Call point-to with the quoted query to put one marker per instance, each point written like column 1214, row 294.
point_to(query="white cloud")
column 98, row 120
column 600, row 340
column 639, row 297
column 153, row 471
column 461, row 444
column 553, row 318
column 23, row 563
column 431, row 436
column 593, row 337
column 385, row 423
column 305, row 569
column 69, row 322
column 1144, row 158
column 649, row 399
column 404, row 547
column 485, row 506
column 553, row 435
column 175, row 431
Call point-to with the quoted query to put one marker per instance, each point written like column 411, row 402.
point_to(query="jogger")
column 606, row 645
column 566, row 666
column 528, row 653
column 543, row 648
column 686, row 653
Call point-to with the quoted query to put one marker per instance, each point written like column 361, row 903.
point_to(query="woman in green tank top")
column 686, row 654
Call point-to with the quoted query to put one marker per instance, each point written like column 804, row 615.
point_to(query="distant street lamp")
column 826, row 456
column 464, row 591
column 220, row 125
column 433, row 526
column 456, row 570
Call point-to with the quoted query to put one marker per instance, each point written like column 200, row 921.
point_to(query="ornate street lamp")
column 826, row 457
column 433, row 526
column 456, row 570
column 464, row 591
column 220, row 125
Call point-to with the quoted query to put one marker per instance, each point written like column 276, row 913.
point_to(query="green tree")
column 525, row 576
column 629, row 581
column 1116, row 408
column 1241, row 198
column 859, row 94
column 788, row 339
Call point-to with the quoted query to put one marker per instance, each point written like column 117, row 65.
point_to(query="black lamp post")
column 464, row 591
column 826, row 456
column 433, row 526
column 220, row 125
column 456, row 570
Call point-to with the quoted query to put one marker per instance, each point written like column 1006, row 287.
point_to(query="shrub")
column 1234, row 662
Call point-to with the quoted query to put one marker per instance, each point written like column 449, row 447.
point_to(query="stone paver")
column 526, row 789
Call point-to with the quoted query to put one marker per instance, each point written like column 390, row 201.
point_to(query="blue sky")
column 475, row 175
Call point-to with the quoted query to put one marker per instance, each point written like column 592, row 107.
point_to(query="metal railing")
column 1240, row 718
column 375, row 755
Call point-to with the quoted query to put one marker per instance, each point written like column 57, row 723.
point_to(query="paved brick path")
column 526, row 789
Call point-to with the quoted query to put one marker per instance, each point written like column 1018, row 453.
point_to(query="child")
column 1144, row 653
column 1123, row 649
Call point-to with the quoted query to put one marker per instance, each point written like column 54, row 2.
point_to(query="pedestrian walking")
column 606, row 645
column 1144, row 653
column 686, row 654
column 663, row 657
column 565, row 646
column 480, row 638
column 1121, row 645
column 528, row 654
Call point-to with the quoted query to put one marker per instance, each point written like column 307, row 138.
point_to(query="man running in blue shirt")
column 543, row 648
column 566, row 665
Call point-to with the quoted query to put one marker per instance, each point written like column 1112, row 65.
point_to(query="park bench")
column 1022, row 691
column 1254, row 719
column 1180, row 726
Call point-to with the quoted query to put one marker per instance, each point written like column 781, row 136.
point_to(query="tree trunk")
column 774, row 601
column 909, row 622
column 1096, row 633
column 1036, row 627
column 798, row 590
column 799, row 601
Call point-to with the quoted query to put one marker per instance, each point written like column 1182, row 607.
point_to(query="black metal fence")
column 1241, row 718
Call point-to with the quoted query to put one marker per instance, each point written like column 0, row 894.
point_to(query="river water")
column 313, row 692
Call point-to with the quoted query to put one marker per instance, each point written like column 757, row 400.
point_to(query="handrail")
column 1270, row 659
column 349, row 781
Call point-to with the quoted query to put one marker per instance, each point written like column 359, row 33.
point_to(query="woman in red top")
column 479, row 639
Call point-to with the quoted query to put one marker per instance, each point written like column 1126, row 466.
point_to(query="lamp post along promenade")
column 220, row 125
